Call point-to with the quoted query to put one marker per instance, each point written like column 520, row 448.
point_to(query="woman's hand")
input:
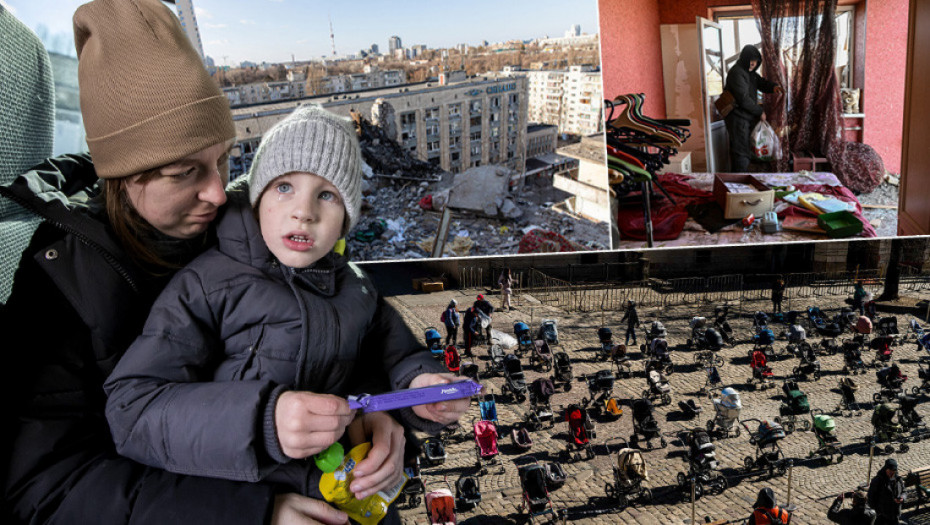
column 445, row 412
column 308, row 423
column 384, row 464
column 300, row 510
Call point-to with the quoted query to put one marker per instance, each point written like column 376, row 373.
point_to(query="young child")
column 228, row 377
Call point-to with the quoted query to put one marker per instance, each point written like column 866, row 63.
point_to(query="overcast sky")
column 273, row 30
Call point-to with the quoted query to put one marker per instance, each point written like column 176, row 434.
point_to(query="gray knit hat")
column 316, row 141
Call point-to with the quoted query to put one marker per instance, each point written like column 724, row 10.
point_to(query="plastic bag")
column 765, row 145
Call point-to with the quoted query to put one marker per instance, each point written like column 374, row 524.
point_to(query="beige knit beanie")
column 146, row 98
column 316, row 141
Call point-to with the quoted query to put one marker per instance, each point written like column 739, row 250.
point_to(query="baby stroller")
column 549, row 331
column 622, row 361
column 768, row 455
column 514, row 381
column 917, row 330
column 521, row 438
column 488, row 408
column 891, row 380
column 582, row 430
column 846, row 318
column 793, row 407
column 690, row 408
column 764, row 340
column 656, row 330
column 660, row 358
column 888, row 326
column 536, row 500
column 412, row 493
column 909, row 417
column 924, row 374
column 434, row 449
column 887, row 428
column 470, row 370
column 606, row 337
column 712, row 381
column 707, row 341
column 762, row 374
column 797, row 339
column 467, row 493
column 848, row 405
column 862, row 329
column 726, row 414
column 485, row 444
column 434, row 341
column 828, row 331
column 524, row 342
column 495, row 364
column 722, row 325
column 702, row 466
column 828, row 445
column 629, row 470
column 600, row 388
column 555, row 475
column 645, row 424
column 883, row 351
column 562, row 371
column 760, row 321
column 453, row 363
column 658, row 387
column 540, row 413
column 852, row 358
column 542, row 355
column 809, row 365
column 440, row 507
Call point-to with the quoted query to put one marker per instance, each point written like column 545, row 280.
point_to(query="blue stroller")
column 488, row 407
column 434, row 342
column 524, row 342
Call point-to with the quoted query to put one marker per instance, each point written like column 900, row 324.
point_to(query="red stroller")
column 582, row 430
column 453, row 362
column 485, row 443
column 440, row 507
column 761, row 372
column 882, row 346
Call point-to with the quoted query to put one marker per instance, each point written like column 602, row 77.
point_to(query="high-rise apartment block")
column 394, row 44
column 189, row 23
column 571, row 100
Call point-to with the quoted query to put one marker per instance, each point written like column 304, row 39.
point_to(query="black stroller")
column 495, row 364
column 891, row 380
column 887, row 428
column 541, row 357
column 702, row 466
column 600, row 389
column 722, row 325
column 434, row 449
column 536, row 500
column 707, row 341
column 848, row 405
column 412, row 493
column 909, row 418
column 562, row 371
column 549, row 331
column 660, row 358
column 768, row 455
column 888, row 326
column 540, row 413
column 828, row 330
column 606, row 337
column 514, row 381
column 852, row 358
column 809, row 365
column 923, row 373
column 467, row 493
column 645, row 424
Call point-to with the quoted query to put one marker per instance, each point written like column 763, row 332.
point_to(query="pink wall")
column 631, row 52
column 883, row 94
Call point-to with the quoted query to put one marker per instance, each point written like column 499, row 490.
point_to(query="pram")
column 514, row 381
column 712, row 381
column 797, row 339
column 726, row 414
column 887, row 326
column 485, row 444
column 600, row 388
column 656, row 330
column 862, row 329
column 536, row 500
column 524, row 341
column 470, row 370
column 852, row 358
column 658, row 387
column 923, row 373
column 488, row 408
column 660, row 358
column 828, row 445
column 467, row 492
column 722, row 325
column 521, row 437
column 453, row 363
column 917, row 330
column 562, row 371
column 887, row 428
column 690, row 408
column 621, row 361
column 883, row 351
column 495, row 364
column 541, row 356
column 707, row 341
column 549, row 331
column 434, row 448
column 809, row 365
column 848, row 404
column 606, row 337
column 702, row 465
column 434, row 341
column 412, row 493
column 645, row 424
column 846, row 318
column 828, row 330
column 581, row 430
column 762, row 374
column 555, row 475
column 793, row 407
column 760, row 321
column 891, row 380
column 768, row 455
column 440, row 507
column 540, row 413
column 629, row 470
column 909, row 417
column 764, row 341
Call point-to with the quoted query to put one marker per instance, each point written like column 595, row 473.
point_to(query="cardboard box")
column 429, row 286
column 739, row 205
column 418, row 283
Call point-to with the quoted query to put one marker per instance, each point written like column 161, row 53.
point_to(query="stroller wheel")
column 749, row 463
column 645, row 496
column 589, row 452
column 416, row 501
column 667, row 399
column 876, row 397
column 663, row 443
column 889, row 449
column 645, row 393
column 710, row 426
column 577, row 457
column 737, row 431
column 915, row 391
column 682, row 481
column 903, row 448
column 839, row 458
column 609, row 490
column 568, row 386
column 805, row 426
column 782, row 468
column 521, row 398
column 722, row 484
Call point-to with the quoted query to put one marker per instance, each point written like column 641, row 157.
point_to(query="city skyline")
column 237, row 30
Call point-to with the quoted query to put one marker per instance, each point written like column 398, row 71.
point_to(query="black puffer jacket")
column 744, row 84
column 77, row 303
column 232, row 331
column 882, row 494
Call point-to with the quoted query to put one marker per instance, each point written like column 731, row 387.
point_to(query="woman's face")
column 183, row 197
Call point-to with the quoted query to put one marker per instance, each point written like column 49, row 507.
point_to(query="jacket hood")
column 766, row 499
column 748, row 54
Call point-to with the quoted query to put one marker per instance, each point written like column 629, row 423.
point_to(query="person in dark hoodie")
column 766, row 512
column 246, row 338
column 859, row 514
column 744, row 84
column 886, row 493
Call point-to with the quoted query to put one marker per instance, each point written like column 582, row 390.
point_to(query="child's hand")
column 384, row 464
column 307, row 423
column 445, row 412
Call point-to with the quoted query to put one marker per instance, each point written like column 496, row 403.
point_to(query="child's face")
column 301, row 216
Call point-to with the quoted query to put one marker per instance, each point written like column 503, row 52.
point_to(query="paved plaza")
column 814, row 485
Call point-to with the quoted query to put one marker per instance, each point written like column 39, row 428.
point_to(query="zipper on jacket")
column 80, row 235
